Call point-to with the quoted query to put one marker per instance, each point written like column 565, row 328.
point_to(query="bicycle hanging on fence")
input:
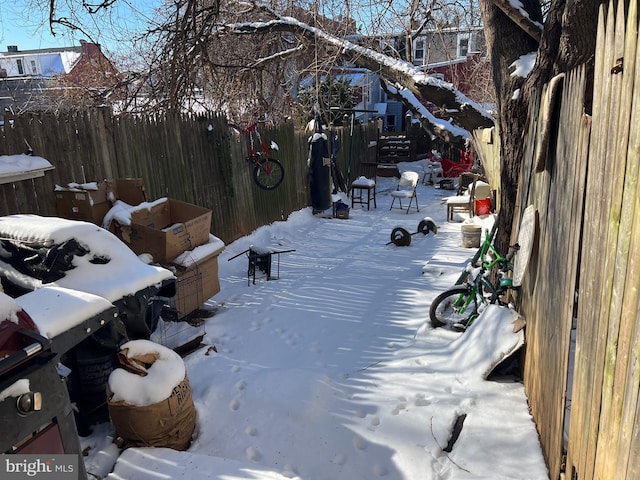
column 268, row 173
column 460, row 305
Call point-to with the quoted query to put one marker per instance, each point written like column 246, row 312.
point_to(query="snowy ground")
column 333, row 372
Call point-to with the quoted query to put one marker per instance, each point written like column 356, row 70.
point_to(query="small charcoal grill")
column 260, row 260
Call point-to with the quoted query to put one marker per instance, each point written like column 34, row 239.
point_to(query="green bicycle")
column 460, row 305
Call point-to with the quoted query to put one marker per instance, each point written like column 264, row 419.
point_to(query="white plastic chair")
column 406, row 190
column 431, row 172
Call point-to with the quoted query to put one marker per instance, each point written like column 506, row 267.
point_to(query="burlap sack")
column 169, row 423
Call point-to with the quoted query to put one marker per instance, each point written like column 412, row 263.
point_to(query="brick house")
column 37, row 79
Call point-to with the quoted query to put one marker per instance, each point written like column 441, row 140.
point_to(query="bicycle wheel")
column 458, row 305
column 268, row 174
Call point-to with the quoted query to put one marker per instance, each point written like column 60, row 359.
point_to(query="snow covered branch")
column 514, row 10
column 443, row 129
column 461, row 110
column 284, row 54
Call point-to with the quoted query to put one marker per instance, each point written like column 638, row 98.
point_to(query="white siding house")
column 38, row 63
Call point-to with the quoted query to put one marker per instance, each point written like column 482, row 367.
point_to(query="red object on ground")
column 483, row 206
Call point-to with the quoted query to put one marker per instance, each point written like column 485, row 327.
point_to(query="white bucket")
column 471, row 236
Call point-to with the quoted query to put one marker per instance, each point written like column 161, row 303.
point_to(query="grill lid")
column 19, row 336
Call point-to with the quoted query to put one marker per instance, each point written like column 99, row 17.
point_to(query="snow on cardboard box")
column 91, row 201
column 196, row 274
column 164, row 228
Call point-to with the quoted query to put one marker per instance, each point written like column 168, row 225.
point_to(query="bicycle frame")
column 479, row 287
column 486, row 249
column 252, row 130
column 268, row 173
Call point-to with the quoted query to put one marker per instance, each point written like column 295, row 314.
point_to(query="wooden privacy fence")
column 580, row 173
column 196, row 159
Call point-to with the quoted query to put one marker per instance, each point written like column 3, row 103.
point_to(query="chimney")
column 12, row 49
column 89, row 49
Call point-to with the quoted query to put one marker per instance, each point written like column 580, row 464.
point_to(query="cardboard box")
column 83, row 203
column 129, row 190
column 89, row 204
column 196, row 284
column 166, row 229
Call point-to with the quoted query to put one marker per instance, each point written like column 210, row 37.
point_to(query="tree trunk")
column 506, row 43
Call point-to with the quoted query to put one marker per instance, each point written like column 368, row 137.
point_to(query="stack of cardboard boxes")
column 167, row 229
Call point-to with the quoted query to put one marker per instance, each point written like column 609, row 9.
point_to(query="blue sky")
column 28, row 28
column 27, row 31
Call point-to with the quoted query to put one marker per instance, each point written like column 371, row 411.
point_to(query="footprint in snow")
column 253, row 454
column 289, row 471
column 251, row 431
column 234, row 405
column 339, row 459
column 360, row 443
column 399, row 408
column 379, row 470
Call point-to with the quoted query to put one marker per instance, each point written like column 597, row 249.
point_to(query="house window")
column 419, row 50
column 463, row 46
column 34, row 68
column 20, row 66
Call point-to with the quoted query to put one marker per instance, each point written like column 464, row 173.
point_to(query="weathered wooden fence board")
column 627, row 370
column 547, row 294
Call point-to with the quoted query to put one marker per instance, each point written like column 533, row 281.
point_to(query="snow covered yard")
column 332, row 371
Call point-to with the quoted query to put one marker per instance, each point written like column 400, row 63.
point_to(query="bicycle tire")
column 271, row 179
column 442, row 313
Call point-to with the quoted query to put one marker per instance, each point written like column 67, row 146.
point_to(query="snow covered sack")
column 149, row 399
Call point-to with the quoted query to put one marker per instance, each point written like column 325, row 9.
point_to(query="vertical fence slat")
column 586, row 403
column 624, row 453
